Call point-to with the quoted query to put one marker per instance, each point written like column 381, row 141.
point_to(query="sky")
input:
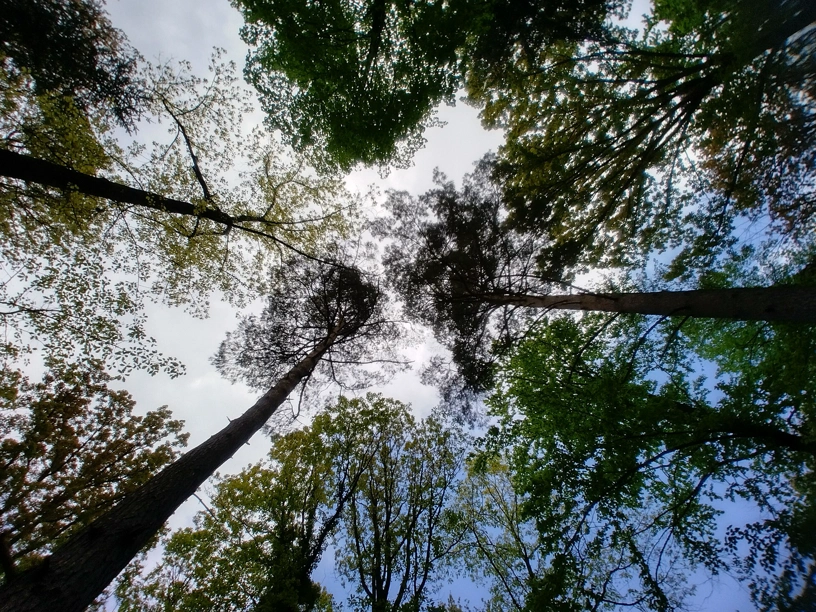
column 189, row 30
column 165, row 30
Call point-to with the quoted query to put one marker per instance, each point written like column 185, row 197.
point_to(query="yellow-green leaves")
column 210, row 209
column 271, row 202
column 258, row 541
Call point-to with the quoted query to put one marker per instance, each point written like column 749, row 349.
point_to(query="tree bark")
column 79, row 570
column 33, row 170
column 767, row 434
column 790, row 303
column 740, row 427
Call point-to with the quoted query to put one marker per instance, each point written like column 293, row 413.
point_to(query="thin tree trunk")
column 79, row 570
column 378, row 10
column 791, row 303
column 33, row 170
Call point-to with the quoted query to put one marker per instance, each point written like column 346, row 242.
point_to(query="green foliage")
column 61, row 248
column 278, row 205
column 58, row 295
column 357, row 82
column 69, row 48
column 257, row 544
column 613, row 457
column 628, row 459
column 500, row 548
column 636, row 140
column 399, row 529
column 267, row 527
column 71, row 448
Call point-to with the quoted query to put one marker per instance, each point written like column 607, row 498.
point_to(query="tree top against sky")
column 358, row 82
column 183, row 204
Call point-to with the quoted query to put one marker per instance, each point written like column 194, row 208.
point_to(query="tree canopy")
column 398, row 531
column 660, row 137
column 627, row 456
column 365, row 475
column 337, row 303
column 350, row 79
column 69, row 48
column 459, row 267
column 500, row 547
column 263, row 533
column 316, row 301
column 674, row 163
column 174, row 228
column 357, row 82
column 71, row 447
column 611, row 133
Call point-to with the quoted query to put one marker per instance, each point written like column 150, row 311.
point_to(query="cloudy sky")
column 189, row 30
column 165, row 30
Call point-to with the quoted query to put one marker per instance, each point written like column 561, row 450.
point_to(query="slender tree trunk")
column 79, row 570
column 792, row 303
column 33, row 170
column 378, row 10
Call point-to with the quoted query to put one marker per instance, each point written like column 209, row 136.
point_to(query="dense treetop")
column 71, row 447
column 365, row 475
column 358, row 82
column 627, row 453
column 70, row 48
column 661, row 137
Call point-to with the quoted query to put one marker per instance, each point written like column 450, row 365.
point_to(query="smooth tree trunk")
column 790, row 303
column 79, row 570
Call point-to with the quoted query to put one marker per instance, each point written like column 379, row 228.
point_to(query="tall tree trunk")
column 33, row 170
column 79, row 570
column 792, row 303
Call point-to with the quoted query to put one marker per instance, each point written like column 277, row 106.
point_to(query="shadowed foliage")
column 69, row 48
column 70, row 448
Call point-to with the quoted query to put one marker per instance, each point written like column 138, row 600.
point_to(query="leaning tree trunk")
column 79, row 570
column 33, row 170
column 790, row 303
